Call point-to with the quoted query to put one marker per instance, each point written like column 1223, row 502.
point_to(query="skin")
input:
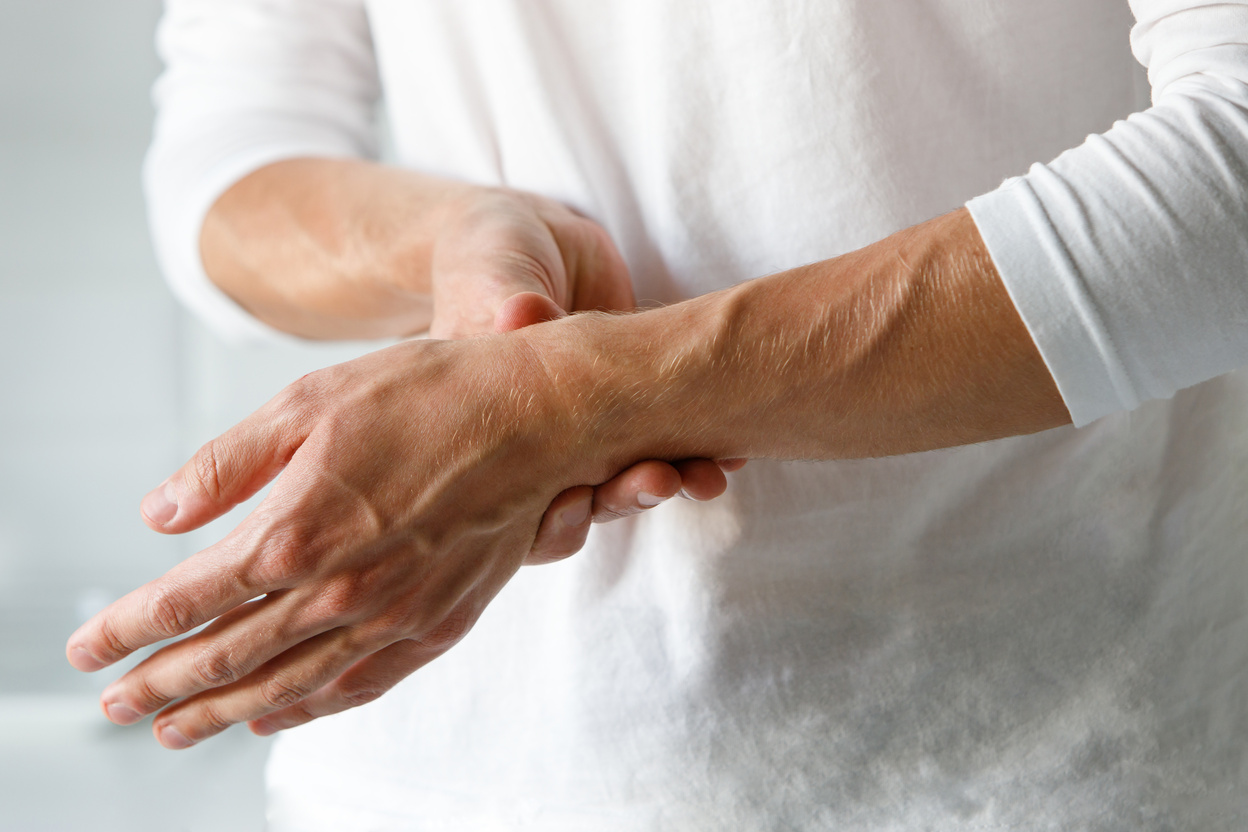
column 344, row 248
column 367, row 569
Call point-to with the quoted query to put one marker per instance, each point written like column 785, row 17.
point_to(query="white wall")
column 105, row 388
column 105, row 385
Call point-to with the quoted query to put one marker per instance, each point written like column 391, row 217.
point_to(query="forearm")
column 908, row 345
column 416, row 477
column 329, row 248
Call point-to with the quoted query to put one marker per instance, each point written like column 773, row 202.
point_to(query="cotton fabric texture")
column 1040, row 633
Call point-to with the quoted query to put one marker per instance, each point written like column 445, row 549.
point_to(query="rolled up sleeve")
column 1127, row 257
column 248, row 83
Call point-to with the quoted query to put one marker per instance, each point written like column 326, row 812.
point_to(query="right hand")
column 504, row 260
column 494, row 244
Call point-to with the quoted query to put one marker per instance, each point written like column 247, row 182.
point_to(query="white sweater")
column 1040, row 633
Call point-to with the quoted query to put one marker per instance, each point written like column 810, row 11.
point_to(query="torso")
column 1044, row 632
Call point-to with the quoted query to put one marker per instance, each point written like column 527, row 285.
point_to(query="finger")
column 371, row 677
column 220, row 654
column 230, row 468
column 365, row 681
column 730, row 465
column 525, row 309
column 564, row 526
column 701, row 479
column 359, row 667
column 643, row 486
column 598, row 275
column 192, row 593
column 277, row 684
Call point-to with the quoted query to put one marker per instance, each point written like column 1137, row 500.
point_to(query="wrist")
column 908, row 345
column 645, row 385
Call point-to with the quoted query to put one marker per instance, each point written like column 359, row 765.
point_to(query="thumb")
column 525, row 309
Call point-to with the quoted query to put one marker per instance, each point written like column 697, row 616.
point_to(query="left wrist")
column 640, row 385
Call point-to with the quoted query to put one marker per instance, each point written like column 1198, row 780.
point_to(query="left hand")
column 413, row 484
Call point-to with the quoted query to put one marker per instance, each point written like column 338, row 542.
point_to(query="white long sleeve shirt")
column 1046, row 632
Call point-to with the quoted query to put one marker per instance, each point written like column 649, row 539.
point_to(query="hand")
column 504, row 260
column 414, row 480
column 493, row 244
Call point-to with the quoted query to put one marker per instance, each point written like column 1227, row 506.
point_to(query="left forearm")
column 908, row 345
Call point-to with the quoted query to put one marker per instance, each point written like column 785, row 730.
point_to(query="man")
column 1045, row 631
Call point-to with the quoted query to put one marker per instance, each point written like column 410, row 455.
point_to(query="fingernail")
column 171, row 737
column 161, row 504
column 122, row 714
column 685, row 494
column 81, row 659
column 646, row 500
column 262, row 728
column 576, row 514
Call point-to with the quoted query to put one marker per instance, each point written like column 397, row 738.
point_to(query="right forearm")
column 329, row 248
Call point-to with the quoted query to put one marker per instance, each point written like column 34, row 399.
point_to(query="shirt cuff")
column 1047, row 290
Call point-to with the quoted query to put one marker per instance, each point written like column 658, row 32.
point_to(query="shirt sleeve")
column 1126, row 257
column 248, row 83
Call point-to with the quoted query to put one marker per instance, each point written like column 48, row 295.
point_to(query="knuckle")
column 168, row 614
column 447, row 634
column 345, row 596
column 607, row 514
column 211, row 716
column 147, row 697
column 297, row 714
column 277, row 693
column 113, row 644
column 296, row 403
column 299, row 403
column 354, row 697
column 213, row 669
column 338, row 424
column 383, row 626
column 284, row 559
column 291, row 716
column 296, row 395
column 205, row 470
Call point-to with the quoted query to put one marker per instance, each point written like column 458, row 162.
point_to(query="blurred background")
column 106, row 387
